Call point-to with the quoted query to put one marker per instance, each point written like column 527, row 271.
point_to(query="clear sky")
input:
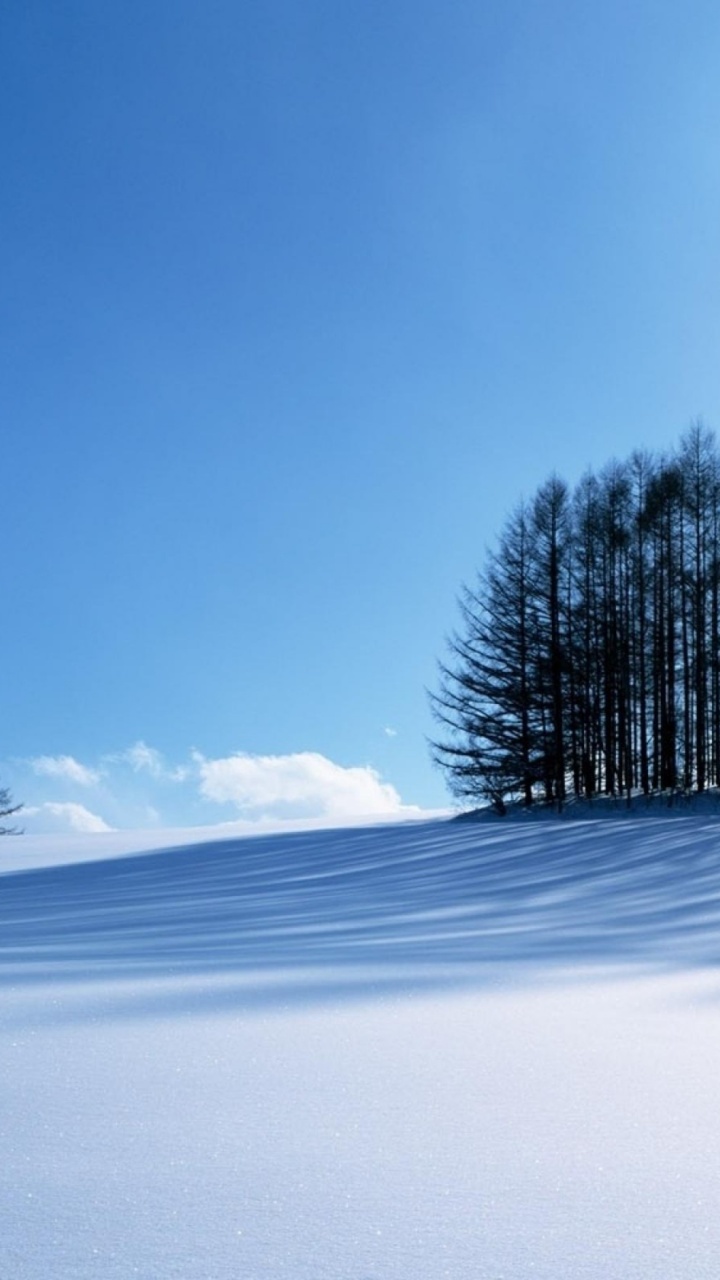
column 297, row 300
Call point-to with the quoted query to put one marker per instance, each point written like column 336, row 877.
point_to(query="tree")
column 7, row 809
column 485, row 699
column 550, row 528
column 698, row 461
column 588, row 655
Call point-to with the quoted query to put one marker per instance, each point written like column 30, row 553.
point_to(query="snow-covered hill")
column 476, row 1050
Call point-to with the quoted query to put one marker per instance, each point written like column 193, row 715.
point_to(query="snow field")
column 551, row 1118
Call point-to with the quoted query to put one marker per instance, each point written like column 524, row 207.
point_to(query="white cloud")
column 65, row 767
column 142, row 789
column 145, row 759
column 304, row 785
column 389, row 732
column 74, row 816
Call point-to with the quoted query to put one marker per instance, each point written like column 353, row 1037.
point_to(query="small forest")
column 587, row 658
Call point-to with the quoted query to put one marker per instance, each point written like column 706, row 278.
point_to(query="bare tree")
column 588, row 657
column 486, row 703
column 7, row 809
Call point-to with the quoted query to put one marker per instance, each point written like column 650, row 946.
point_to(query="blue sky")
column 298, row 300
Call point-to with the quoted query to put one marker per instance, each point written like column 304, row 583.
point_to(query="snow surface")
column 466, row 1050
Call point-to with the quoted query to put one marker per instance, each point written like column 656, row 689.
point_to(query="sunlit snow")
column 483, row 1051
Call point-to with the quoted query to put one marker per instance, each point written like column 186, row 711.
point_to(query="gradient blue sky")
column 298, row 299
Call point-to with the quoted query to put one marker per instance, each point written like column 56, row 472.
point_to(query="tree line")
column 588, row 656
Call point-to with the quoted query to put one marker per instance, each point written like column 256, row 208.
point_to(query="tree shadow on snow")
column 280, row 921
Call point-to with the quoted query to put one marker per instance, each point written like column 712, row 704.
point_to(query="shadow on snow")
column 275, row 920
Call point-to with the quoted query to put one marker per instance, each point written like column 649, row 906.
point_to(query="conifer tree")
column 7, row 809
column 588, row 655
